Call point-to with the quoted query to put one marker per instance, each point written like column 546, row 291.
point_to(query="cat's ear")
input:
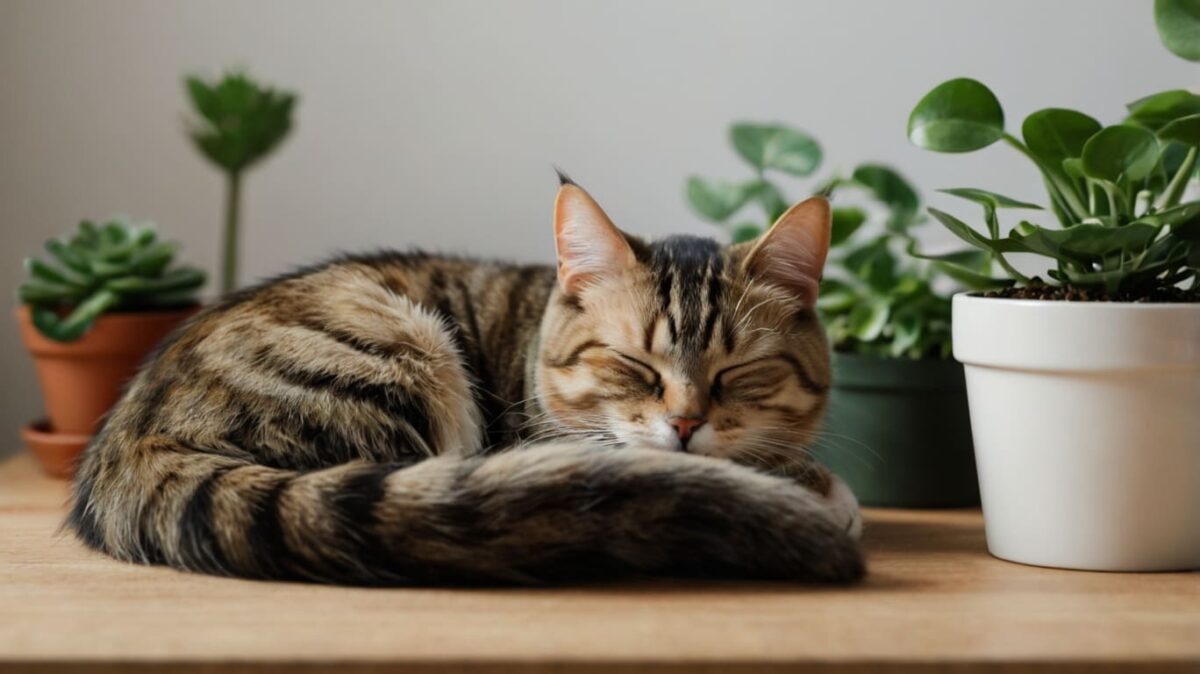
column 792, row 252
column 589, row 245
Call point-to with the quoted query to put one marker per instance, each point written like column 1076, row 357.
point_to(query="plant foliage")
column 238, row 123
column 1116, row 191
column 116, row 266
column 873, row 300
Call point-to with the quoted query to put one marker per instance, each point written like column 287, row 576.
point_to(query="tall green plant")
column 238, row 123
column 1116, row 191
column 873, row 300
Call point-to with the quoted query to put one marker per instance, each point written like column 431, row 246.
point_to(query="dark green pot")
column 898, row 432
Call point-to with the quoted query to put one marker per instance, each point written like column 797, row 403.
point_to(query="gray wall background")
column 435, row 123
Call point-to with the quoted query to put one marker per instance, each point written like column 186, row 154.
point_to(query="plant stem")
column 1179, row 182
column 1011, row 270
column 1112, row 201
column 1065, row 190
column 229, row 261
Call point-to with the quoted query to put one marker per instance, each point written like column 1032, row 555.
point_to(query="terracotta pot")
column 82, row 379
column 56, row 452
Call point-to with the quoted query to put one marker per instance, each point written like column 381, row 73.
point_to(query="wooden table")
column 935, row 601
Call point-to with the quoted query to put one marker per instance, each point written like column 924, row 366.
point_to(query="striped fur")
column 406, row 418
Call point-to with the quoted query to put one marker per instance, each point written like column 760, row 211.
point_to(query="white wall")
column 435, row 123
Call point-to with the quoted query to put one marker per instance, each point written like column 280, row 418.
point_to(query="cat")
column 404, row 418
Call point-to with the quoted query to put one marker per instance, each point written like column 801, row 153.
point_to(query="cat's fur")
column 407, row 418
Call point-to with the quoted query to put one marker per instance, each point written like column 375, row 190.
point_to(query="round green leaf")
column 1158, row 109
column 890, row 188
column 846, row 221
column 774, row 146
column 836, row 297
column 716, row 200
column 1184, row 130
column 960, row 115
column 746, row 232
column 1120, row 151
column 1055, row 134
column 868, row 320
column 769, row 197
column 1178, row 24
column 906, row 331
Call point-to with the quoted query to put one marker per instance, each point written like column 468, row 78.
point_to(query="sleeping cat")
column 414, row 419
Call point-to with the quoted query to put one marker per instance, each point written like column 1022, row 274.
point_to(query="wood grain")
column 935, row 601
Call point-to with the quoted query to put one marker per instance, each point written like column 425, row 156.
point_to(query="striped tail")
column 547, row 513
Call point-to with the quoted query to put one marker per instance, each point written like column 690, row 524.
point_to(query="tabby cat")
column 403, row 418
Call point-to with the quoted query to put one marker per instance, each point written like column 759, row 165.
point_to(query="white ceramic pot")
column 1086, row 421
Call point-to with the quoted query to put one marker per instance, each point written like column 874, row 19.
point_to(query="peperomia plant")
column 1116, row 191
column 239, row 122
column 116, row 266
column 873, row 300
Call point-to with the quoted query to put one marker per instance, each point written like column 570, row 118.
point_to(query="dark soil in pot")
column 1069, row 294
column 899, row 433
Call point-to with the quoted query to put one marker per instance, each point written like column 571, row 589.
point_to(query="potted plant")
column 1084, row 380
column 897, row 428
column 238, row 123
column 90, row 313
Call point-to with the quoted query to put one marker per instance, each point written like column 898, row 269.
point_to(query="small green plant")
column 1116, row 191
column 873, row 300
column 239, row 122
column 116, row 266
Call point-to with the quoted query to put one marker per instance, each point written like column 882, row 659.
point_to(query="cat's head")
column 686, row 344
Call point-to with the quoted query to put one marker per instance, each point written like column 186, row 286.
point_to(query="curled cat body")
column 403, row 418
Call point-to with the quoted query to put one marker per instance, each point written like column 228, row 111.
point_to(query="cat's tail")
column 551, row 512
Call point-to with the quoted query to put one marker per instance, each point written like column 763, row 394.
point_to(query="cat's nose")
column 685, row 426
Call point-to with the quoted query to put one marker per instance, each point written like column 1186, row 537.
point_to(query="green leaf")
column 1183, row 220
column 182, row 278
column 891, row 189
column 960, row 115
column 969, row 267
column 836, row 297
column 1184, row 130
column 1055, row 134
column 716, row 200
column 868, row 320
column 906, row 331
column 1178, row 23
column 75, row 324
column 963, row 231
column 151, row 261
column 68, row 256
column 65, row 276
column 1157, row 110
column 1121, row 151
column 988, row 198
column 846, row 221
column 769, row 197
column 774, row 146
column 239, row 121
column 1086, row 242
column 874, row 264
column 36, row 291
column 746, row 232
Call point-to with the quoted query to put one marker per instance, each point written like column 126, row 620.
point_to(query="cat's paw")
column 845, row 507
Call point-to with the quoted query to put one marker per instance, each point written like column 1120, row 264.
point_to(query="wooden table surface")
column 934, row 601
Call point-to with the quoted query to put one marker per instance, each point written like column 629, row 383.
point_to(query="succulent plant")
column 115, row 266
column 239, row 122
